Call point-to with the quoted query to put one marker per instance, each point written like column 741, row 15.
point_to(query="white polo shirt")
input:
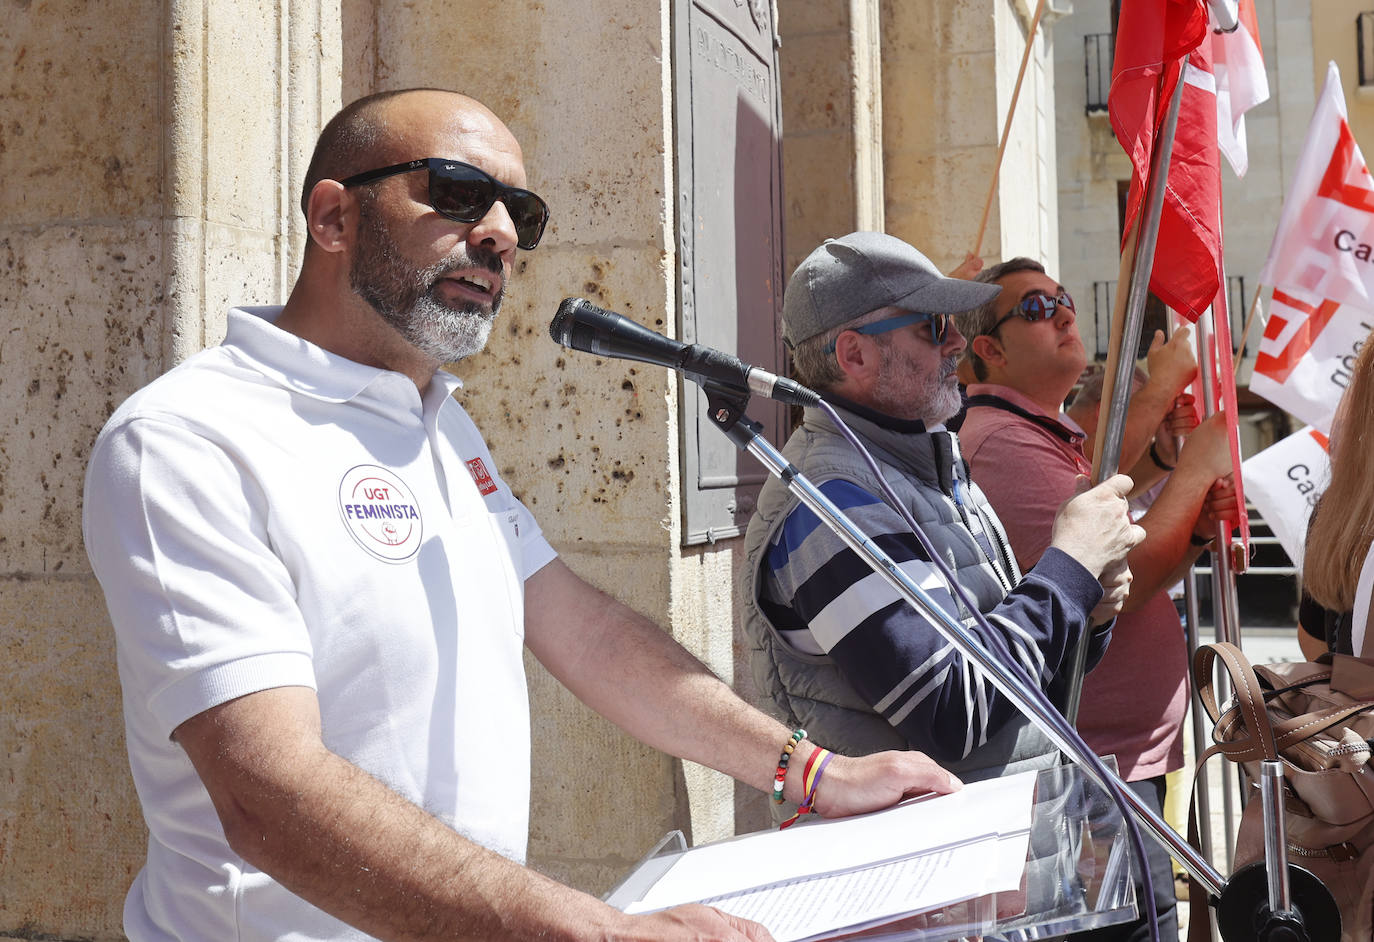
column 268, row 514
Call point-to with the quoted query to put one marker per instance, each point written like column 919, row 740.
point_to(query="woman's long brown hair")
column 1339, row 537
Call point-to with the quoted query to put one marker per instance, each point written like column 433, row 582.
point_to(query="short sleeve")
column 203, row 611
column 535, row 551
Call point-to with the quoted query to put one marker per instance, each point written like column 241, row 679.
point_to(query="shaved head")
column 378, row 130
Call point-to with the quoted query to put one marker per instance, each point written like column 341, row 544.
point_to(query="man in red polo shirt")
column 1027, row 355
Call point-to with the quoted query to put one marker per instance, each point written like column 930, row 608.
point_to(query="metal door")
column 729, row 185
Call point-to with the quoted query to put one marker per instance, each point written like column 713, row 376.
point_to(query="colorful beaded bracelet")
column 780, row 778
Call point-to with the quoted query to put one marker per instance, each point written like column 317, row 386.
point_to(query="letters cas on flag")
column 1152, row 37
column 1307, row 353
column 1284, row 482
column 1321, row 268
column 1322, row 246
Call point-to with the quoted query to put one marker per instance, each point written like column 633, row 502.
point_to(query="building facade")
column 152, row 156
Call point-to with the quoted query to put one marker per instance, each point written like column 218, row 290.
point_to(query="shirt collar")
column 880, row 419
column 1022, row 401
column 1014, row 396
column 305, row 367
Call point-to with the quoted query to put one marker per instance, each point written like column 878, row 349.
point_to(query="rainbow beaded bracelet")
column 780, row 777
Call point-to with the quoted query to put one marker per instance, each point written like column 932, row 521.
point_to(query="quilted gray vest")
column 809, row 689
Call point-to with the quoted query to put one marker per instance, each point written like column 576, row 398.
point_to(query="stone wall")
column 949, row 70
column 152, row 157
column 1330, row 25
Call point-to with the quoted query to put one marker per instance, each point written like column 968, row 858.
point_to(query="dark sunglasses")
column 1037, row 307
column 464, row 193
column 939, row 327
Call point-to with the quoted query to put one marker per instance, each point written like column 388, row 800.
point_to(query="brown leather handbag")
column 1317, row 718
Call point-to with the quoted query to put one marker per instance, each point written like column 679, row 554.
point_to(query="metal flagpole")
column 1225, row 608
column 1120, row 364
column 1108, row 451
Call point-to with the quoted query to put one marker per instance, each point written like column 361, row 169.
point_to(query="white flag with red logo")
column 1322, row 246
column 1321, row 269
column 1238, row 64
column 1284, row 481
column 1307, row 354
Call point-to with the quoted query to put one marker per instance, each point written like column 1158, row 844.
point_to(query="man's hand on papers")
column 1094, row 526
column 874, row 782
column 692, row 923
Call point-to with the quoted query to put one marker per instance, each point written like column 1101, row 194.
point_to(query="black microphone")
column 581, row 325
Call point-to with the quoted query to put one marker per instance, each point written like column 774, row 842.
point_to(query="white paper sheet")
column 810, row 879
column 804, row 908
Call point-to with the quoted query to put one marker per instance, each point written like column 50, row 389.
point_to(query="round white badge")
column 380, row 513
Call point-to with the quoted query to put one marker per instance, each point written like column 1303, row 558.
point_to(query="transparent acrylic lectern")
column 1077, row 875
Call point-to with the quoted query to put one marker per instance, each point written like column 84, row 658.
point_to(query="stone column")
column 589, row 445
column 148, row 151
column 948, row 74
column 830, row 62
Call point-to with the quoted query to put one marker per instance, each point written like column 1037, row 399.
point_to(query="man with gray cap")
column 869, row 321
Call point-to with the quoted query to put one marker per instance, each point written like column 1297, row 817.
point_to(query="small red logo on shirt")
column 485, row 485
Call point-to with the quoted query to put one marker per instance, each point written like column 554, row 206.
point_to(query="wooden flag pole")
column 1115, row 333
column 1245, row 331
column 1006, row 126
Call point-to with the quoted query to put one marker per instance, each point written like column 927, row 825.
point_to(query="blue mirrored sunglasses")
column 1037, row 307
column 939, row 326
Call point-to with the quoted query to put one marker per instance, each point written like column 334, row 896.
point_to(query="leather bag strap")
column 1250, row 715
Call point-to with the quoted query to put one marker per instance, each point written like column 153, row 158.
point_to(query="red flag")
column 1226, row 400
column 1152, row 39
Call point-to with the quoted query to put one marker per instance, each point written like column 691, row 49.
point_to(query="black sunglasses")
column 464, row 193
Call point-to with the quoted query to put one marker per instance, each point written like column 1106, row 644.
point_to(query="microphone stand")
column 725, row 407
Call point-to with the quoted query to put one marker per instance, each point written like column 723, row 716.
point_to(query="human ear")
column 851, row 354
column 989, row 350
column 329, row 211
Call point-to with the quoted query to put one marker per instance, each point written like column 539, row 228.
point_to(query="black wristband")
column 1199, row 540
column 1159, row 462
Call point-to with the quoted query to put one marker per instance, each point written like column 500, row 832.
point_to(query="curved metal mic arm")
column 1253, row 904
column 746, row 434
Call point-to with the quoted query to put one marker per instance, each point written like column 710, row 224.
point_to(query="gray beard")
column 406, row 299
column 441, row 332
column 943, row 401
column 904, row 394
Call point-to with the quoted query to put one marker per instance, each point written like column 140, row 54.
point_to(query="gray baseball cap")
column 848, row 277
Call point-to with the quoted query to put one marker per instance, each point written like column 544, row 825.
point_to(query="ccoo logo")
column 380, row 513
